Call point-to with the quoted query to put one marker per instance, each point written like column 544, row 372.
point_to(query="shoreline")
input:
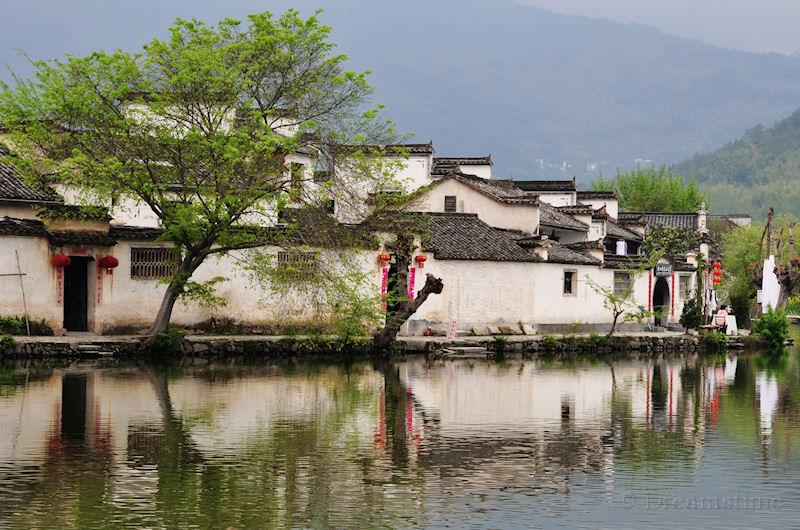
column 289, row 347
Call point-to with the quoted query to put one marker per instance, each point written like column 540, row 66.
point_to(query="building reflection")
column 173, row 447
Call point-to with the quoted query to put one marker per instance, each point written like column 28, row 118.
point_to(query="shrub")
column 597, row 341
column 549, row 341
column 773, row 326
column 168, row 342
column 691, row 315
column 793, row 306
column 716, row 341
column 499, row 347
column 16, row 326
column 6, row 342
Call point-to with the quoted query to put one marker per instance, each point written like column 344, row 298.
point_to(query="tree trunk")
column 164, row 315
column 174, row 290
column 394, row 320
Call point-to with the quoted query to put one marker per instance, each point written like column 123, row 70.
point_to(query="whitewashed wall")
column 524, row 217
column 39, row 280
column 17, row 211
column 558, row 199
column 482, row 171
column 612, row 205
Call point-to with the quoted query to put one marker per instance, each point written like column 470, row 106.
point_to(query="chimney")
column 702, row 219
column 541, row 249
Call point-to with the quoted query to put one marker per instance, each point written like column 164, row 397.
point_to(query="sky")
column 751, row 25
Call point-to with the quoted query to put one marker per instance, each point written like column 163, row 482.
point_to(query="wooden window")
column 622, row 283
column 154, row 263
column 685, row 286
column 297, row 264
column 570, row 282
column 449, row 203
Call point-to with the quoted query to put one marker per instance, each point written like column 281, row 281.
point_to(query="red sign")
column 384, row 284
column 412, row 275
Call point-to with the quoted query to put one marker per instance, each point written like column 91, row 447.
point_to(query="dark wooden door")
column 76, row 295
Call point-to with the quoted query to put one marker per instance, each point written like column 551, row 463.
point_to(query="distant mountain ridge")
column 759, row 170
column 534, row 89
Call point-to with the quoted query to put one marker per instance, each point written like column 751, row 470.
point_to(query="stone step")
column 89, row 347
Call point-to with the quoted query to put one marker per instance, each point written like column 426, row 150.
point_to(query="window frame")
column 628, row 281
column 454, row 199
column 687, row 293
column 153, row 269
column 298, row 265
column 573, row 282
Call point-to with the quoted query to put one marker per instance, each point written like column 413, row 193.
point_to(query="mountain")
column 759, row 170
column 533, row 88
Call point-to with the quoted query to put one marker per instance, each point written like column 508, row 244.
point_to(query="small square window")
column 685, row 286
column 622, row 284
column 570, row 283
column 449, row 203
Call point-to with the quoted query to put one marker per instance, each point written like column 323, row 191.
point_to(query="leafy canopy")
column 200, row 126
column 653, row 190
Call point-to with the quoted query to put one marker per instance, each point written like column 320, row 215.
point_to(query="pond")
column 700, row 441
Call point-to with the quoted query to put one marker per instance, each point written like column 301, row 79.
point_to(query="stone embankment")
column 300, row 346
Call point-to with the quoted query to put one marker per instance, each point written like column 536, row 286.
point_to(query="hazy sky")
column 754, row 25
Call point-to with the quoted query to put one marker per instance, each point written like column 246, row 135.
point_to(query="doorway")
column 661, row 302
column 76, row 294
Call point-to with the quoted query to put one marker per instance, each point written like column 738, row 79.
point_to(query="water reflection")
column 415, row 443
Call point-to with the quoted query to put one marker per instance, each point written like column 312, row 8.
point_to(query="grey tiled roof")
column 576, row 209
column 459, row 236
column 500, row 190
column 550, row 216
column 673, row 220
column 596, row 195
column 134, row 232
column 13, row 188
column 11, row 226
column 411, row 149
column 558, row 253
column 100, row 239
column 443, row 165
column 546, row 185
column 619, row 232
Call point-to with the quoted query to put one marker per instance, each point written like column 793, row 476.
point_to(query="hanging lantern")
column 421, row 259
column 384, row 257
column 109, row 263
column 60, row 261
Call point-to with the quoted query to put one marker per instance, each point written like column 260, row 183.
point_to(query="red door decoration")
column 109, row 263
column 421, row 259
column 384, row 285
column 60, row 261
column 412, row 275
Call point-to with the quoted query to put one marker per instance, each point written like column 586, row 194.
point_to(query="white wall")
column 39, row 280
column 557, row 198
column 482, row 171
column 524, row 217
column 18, row 211
column 612, row 205
column 478, row 293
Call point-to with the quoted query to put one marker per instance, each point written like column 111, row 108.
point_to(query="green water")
column 706, row 442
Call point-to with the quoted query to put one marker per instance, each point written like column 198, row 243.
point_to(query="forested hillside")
column 750, row 174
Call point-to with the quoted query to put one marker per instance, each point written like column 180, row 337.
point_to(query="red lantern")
column 60, row 261
column 421, row 259
column 109, row 263
column 384, row 257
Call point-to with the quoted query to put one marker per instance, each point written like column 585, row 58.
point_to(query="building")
column 511, row 254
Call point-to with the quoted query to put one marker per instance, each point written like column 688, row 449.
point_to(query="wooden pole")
column 24, row 301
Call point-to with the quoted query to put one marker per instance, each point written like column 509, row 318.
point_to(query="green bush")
column 597, row 341
column 793, row 306
column 169, row 342
column 6, row 342
column 549, row 341
column 16, row 326
column 773, row 326
column 691, row 316
column 716, row 341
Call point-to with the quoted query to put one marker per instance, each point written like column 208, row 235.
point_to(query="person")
column 720, row 320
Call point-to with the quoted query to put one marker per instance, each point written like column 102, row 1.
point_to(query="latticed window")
column 449, row 203
column 153, row 263
column 685, row 286
column 622, row 283
column 297, row 264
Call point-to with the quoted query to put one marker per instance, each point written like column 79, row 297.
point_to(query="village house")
column 513, row 255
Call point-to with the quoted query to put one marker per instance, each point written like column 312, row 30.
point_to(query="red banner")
column 384, row 285
column 412, row 276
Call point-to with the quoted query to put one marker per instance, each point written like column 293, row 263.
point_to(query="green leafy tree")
column 653, row 190
column 199, row 127
column 773, row 326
